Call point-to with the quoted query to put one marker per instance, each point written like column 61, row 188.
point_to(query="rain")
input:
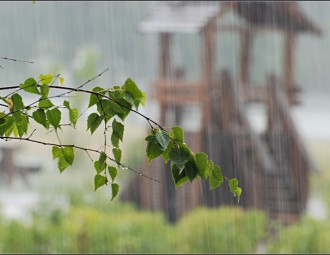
column 247, row 81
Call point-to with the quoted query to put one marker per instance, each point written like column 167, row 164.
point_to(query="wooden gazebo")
column 273, row 166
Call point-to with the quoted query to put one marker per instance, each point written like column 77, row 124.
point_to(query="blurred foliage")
column 223, row 230
column 306, row 236
column 120, row 228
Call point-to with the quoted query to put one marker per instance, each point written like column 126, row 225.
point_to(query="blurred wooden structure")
column 9, row 168
column 272, row 167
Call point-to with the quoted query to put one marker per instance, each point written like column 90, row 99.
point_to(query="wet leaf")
column 233, row 185
column 154, row 149
column 162, row 138
column 179, row 156
column 54, row 117
column 115, row 190
column 65, row 156
column 93, row 121
column 202, row 165
column 94, row 99
column 5, row 124
column 17, row 102
column 30, row 85
column 101, row 164
column 99, row 181
column 179, row 177
column 178, row 134
column 46, row 78
column 137, row 95
column 113, row 172
column 191, row 169
column 45, row 104
column 117, row 133
column 117, row 154
column 68, row 154
column 44, row 90
column 40, row 117
column 216, row 178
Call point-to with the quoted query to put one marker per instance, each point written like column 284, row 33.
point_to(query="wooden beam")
column 164, row 60
column 245, row 52
column 209, row 42
column 288, row 66
column 289, row 127
column 164, row 68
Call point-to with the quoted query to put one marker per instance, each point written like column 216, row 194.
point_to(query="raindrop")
column 123, row 167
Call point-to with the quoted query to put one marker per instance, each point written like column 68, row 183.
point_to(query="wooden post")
column 167, row 190
column 164, row 63
column 209, row 40
column 288, row 66
column 246, row 44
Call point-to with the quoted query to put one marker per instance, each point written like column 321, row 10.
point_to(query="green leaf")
column 103, row 157
column 40, row 117
column 215, row 177
column 113, row 172
column 6, row 123
column 22, row 124
column 180, row 155
column 46, row 78
column 117, row 133
column 101, row 163
column 117, row 154
column 45, row 103
column 110, row 108
column 166, row 153
column 68, row 154
column 93, row 99
column 99, row 166
column 191, row 169
column 114, row 190
column 44, row 90
column 135, row 92
column 177, row 134
column 62, row 164
column 30, row 85
column 65, row 156
column 238, row 193
column 125, row 108
column 54, row 117
column 233, row 185
column 93, row 121
column 57, row 152
column 154, row 149
column 10, row 129
column 74, row 115
column 18, row 117
column 17, row 102
column 163, row 138
column 99, row 181
column 202, row 165
column 66, row 104
column 179, row 177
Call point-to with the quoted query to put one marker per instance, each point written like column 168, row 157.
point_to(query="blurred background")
column 43, row 211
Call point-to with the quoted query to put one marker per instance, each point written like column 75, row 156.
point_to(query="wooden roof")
column 193, row 16
column 179, row 16
column 283, row 15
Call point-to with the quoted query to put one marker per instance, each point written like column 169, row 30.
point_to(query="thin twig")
column 6, row 138
column 16, row 60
